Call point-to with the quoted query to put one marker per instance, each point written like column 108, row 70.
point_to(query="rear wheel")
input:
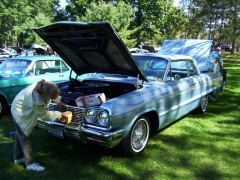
column 203, row 105
column 137, row 139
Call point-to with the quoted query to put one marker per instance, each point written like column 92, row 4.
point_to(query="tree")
column 18, row 16
column 217, row 18
column 151, row 19
column 156, row 17
column 117, row 14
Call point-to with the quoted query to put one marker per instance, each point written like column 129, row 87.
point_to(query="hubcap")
column 140, row 135
column 204, row 103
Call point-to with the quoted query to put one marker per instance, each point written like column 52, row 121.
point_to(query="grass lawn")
column 197, row 147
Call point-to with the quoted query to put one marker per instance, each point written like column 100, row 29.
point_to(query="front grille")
column 77, row 112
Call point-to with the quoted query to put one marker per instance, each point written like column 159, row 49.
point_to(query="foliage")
column 153, row 18
column 217, row 20
column 18, row 16
column 150, row 21
column 117, row 14
column 203, row 147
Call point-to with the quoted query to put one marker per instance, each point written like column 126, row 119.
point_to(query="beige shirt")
column 28, row 106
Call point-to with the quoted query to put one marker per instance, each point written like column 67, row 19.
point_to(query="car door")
column 185, row 87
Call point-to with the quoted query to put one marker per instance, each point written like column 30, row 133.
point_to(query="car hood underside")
column 90, row 47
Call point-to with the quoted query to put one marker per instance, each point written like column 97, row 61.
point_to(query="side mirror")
column 177, row 77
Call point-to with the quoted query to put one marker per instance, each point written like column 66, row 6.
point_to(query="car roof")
column 33, row 58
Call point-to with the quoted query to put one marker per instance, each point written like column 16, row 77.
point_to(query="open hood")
column 198, row 49
column 90, row 47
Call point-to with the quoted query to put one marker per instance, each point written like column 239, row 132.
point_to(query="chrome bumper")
column 85, row 134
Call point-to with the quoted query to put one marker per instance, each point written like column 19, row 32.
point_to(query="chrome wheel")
column 140, row 135
column 204, row 103
column 202, row 107
column 137, row 139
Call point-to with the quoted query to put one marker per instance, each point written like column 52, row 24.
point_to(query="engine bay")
column 70, row 91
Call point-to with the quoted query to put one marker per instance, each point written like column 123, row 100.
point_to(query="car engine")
column 73, row 89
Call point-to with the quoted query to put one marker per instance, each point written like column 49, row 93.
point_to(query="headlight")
column 104, row 118
column 90, row 115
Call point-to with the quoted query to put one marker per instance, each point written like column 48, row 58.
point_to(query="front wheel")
column 137, row 139
column 3, row 106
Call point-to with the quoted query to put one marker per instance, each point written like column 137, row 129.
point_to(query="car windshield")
column 12, row 67
column 153, row 67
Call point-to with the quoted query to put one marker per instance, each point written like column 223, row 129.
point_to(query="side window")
column 180, row 69
column 39, row 68
column 64, row 67
column 31, row 71
column 177, row 70
column 49, row 67
column 190, row 68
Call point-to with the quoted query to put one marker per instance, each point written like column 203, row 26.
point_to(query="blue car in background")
column 19, row 72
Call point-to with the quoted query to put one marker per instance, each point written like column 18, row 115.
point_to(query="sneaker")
column 19, row 161
column 35, row 167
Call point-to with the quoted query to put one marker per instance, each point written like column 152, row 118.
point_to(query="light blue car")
column 129, row 96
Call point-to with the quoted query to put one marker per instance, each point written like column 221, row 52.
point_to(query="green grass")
column 197, row 147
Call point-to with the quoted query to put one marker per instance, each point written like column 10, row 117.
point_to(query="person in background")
column 50, row 51
column 29, row 105
column 215, row 61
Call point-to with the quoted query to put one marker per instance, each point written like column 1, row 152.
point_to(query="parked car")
column 132, row 50
column 19, row 72
column 149, row 48
column 224, row 46
column 7, row 53
column 157, row 49
column 132, row 95
column 142, row 51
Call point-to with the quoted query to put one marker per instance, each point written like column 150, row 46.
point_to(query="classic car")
column 128, row 96
column 7, row 53
column 19, row 72
column 224, row 46
column 142, row 51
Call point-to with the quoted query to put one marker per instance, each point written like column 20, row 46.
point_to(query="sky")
column 63, row 3
column 176, row 2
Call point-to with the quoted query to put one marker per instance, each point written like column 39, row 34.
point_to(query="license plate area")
column 55, row 131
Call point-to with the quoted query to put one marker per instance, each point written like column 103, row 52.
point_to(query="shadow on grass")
column 64, row 159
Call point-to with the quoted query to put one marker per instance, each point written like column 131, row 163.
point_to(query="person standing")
column 29, row 105
column 50, row 51
column 215, row 61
